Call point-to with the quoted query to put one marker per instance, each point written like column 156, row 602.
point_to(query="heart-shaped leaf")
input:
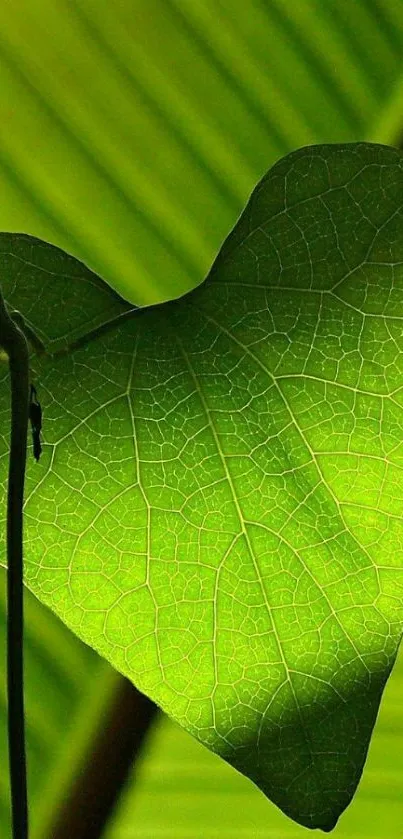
column 217, row 509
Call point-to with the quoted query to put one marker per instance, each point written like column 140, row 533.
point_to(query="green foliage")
column 217, row 508
column 132, row 139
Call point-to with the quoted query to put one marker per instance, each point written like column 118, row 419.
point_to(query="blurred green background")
column 131, row 135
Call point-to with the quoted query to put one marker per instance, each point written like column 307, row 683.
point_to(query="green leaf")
column 217, row 509
column 151, row 129
column 181, row 789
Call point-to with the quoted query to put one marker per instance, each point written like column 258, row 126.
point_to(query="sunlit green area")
column 131, row 135
column 183, row 791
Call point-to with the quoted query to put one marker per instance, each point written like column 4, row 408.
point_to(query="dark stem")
column 88, row 805
column 13, row 342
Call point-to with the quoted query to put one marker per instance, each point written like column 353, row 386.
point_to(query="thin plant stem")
column 15, row 345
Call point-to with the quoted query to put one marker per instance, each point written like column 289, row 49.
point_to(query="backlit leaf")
column 217, row 507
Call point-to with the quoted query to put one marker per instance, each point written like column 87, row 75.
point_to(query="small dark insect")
column 35, row 415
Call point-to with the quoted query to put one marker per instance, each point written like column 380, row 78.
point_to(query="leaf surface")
column 217, row 509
